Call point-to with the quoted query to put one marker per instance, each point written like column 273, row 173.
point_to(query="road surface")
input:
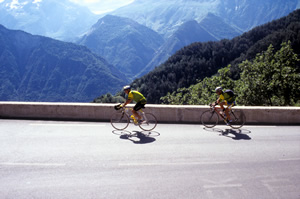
column 70, row 160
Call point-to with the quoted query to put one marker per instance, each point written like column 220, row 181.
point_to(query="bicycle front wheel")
column 149, row 122
column 238, row 119
column 119, row 121
column 209, row 118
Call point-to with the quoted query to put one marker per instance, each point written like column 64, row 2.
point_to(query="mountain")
column 183, row 22
column 36, row 68
column 211, row 28
column 166, row 16
column 245, row 14
column 200, row 60
column 122, row 42
column 140, row 36
column 59, row 19
column 186, row 34
column 218, row 28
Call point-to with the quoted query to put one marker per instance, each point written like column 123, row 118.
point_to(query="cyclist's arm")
column 220, row 99
column 127, row 102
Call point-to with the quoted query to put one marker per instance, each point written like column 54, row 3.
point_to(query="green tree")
column 108, row 98
column 271, row 78
column 202, row 92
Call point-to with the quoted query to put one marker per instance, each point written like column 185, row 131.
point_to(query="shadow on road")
column 137, row 137
column 235, row 134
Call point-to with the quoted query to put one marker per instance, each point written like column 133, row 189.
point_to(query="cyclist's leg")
column 225, row 109
column 136, row 108
column 227, row 114
column 229, row 106
column 222, row 104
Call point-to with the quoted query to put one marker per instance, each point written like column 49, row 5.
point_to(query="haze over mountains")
column 127, row 43
column 59, row 19
column 166, row 16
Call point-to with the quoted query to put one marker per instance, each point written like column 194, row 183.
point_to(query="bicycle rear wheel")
column 119, row 120
column 149, row 122
column 209, row 118
column 238, row 118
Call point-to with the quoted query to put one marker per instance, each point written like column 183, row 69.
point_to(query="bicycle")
column 210, row 118
column 121, row 119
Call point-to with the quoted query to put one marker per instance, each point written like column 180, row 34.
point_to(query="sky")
column 96, row 6
column 102, row 6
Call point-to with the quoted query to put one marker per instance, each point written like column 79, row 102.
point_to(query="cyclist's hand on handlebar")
column 118, row 107
column 122, row 106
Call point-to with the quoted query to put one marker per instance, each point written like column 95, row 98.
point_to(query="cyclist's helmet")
column 126, row 87
column 218, row 89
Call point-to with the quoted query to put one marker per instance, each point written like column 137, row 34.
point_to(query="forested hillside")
column 200, row 60
column 35, row 68
column 271, row 79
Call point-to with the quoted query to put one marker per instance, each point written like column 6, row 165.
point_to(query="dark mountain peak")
column 218, row 28
column 123, row 42
column 190, row 23
column 112, row 19
column 117, row 24
column 190, row 32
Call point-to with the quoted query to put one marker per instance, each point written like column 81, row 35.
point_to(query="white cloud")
column 37, row 1
column 102, row 6
column 15, row 4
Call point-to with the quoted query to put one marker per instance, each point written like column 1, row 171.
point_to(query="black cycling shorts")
column 138, row 106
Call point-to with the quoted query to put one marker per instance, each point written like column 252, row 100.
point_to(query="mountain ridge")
column 200, row 60
column 123, row 42
column 189, row 32
column 235, row 13
column 44, row 69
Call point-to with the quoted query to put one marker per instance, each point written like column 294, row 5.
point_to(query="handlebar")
column 118, row 107
column 213, row 104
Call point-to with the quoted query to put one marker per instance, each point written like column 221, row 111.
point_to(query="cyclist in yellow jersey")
column 225, row 99
column 138, row 98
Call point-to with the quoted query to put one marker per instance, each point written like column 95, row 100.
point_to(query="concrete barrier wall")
column 164, row 113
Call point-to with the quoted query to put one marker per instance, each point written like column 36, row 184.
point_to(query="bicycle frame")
column 120, row 120
column 210, row 118
column 216, row 109
column 126, row 111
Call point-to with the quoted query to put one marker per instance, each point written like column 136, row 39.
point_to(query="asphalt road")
column 70, row 160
